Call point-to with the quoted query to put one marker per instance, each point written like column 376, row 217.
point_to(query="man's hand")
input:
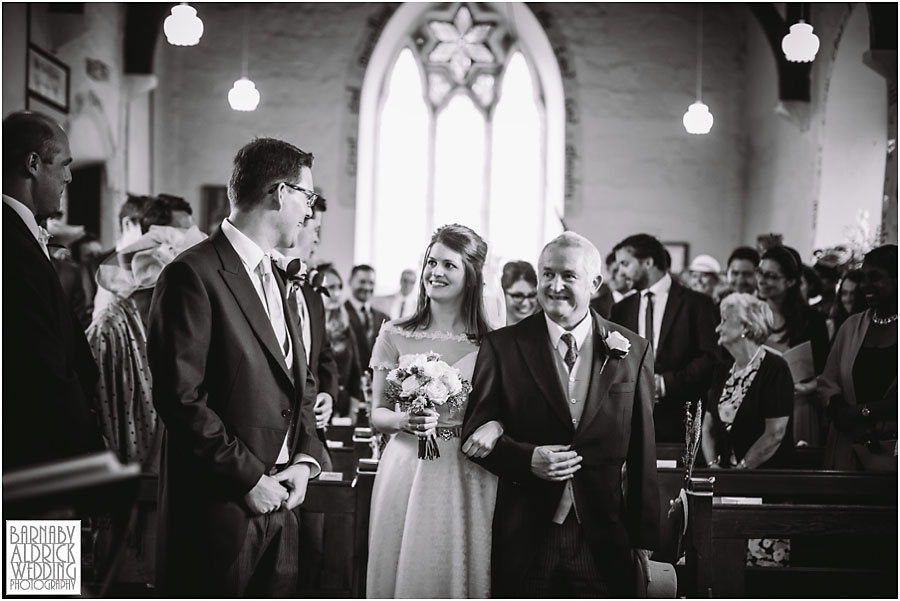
column 644, row 558
column 659, row 386
column 266, row 496
column 324, row 408
column 294, row 480
column 555, row 463
column 805, row 387
column 482, row 441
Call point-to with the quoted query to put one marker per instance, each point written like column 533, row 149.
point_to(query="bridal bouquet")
column 422, row 382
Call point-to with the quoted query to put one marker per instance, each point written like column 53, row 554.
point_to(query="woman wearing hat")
column 704, row 274
column 124, row 402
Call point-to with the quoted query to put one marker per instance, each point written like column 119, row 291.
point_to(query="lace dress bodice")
column 455, row 349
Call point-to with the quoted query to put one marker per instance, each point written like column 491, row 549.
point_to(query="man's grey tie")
column 648, row 319
column 571, row 352
column 274, row 306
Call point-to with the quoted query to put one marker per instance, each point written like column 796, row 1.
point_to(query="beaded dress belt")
column 447, row 433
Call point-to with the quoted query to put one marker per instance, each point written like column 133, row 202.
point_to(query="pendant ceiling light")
column 801, row 44
column 244, row 96
column 183, row 27
column 698, row 119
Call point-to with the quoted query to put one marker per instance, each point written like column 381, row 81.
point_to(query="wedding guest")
column 168, row 209
column 811, row 287
column 859, row 384
column 750, row 402
column 704, row 274
column 364, row 319
column 741, row 271
column 829, row 273
column 619, row 282
column 48, row 372
column 129, row 230
column 233, row 390
column 794, row 322
column 850, row 300
column 343, row 343
column 87, row 253
column 680, row 325
column 70, row 278
column 519, row 283
column 415, row 552
column 124, row 398
column 403, row 302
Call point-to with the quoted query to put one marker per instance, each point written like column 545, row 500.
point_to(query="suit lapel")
column 534, row 344
column 673, row 305
column 604, row 370
column 238, row 282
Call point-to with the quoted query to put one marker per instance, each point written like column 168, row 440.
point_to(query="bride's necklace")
column 883, row 321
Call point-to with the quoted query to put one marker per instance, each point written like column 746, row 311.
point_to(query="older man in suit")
column 680, row 325
column 231, row 384
column 48, row 371
column 577, row 501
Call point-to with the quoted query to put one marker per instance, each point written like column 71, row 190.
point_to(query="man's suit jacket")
column 49, row 373
column 321, row 356
column 516, row 382
column 364, row 343
column 603, row 302
column 222, row 387
column 70, row 278
column 686, row 356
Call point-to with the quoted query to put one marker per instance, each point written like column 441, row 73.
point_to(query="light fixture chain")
column 699, row 50
column 244, row 62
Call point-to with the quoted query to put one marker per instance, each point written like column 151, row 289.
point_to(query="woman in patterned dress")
column 430, row 522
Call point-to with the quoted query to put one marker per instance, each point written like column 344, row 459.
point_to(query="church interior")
column 520, row 120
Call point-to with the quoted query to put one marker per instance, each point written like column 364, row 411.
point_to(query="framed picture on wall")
column 47, row 79
column 36, row 103
column 679, row 253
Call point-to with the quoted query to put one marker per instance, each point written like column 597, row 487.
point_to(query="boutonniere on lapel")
column 617, row 344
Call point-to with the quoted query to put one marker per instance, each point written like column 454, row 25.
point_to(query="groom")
column 577, row 461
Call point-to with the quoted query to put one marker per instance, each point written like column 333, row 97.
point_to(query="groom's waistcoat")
column 575, row 385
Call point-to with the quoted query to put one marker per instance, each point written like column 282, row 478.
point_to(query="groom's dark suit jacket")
column 516, row 382
column 226, row 396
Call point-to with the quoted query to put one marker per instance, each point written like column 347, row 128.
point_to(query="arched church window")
column 457, row 116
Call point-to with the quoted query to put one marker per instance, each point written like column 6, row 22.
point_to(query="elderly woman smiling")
column 750, row 402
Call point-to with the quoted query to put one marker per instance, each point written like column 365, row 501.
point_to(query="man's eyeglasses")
column 311, row 197
column 768, row 275
column 519, row 297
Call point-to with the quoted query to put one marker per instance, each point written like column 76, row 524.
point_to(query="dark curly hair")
column 473, row 250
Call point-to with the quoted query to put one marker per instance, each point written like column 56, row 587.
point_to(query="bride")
column 430, row 521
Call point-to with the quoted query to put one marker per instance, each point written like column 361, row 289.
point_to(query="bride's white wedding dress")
column 430, row 521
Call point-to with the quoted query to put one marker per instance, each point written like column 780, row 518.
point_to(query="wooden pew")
column 345, row 505
column 860, row 504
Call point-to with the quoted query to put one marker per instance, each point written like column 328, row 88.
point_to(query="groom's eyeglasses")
column 519, row 297
column 311, row 197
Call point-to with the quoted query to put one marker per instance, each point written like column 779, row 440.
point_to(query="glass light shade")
column 183, row 27
column 244, row 95
column 698, row 119
column 801, row 44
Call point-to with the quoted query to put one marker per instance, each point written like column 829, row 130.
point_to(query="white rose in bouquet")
column 437, row 392
column 432, row 370
column 452, row 382
column 406, row 361
column 409, row 387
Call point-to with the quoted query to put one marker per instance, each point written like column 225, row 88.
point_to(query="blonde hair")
column 753, row 313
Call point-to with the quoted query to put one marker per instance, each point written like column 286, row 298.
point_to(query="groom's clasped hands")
column 555, row 463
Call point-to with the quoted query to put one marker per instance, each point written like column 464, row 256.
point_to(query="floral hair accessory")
column 617, row 344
